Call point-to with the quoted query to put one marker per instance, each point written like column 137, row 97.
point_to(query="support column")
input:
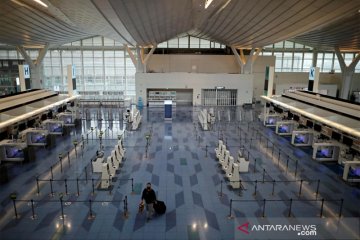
column 246, row 64
column 142, row 60
column 347, row 73
column 36, row 69
column 315, row 56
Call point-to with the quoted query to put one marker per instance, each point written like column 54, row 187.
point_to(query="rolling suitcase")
column 160, row 207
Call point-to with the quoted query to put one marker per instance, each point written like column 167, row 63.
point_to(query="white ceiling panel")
column 241, row 23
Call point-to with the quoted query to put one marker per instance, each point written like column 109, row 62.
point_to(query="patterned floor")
column 180, row 163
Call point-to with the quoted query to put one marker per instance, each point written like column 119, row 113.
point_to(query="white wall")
column 196, row 81
column 163, row 63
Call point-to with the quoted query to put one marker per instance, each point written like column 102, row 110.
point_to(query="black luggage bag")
column 160, row 207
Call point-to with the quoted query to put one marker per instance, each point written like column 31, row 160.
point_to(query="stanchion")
column 51, row 171
column 86, row 176
column 317, row 189
column 273, row 187
column 206, row 151
column 287, row 163
column 255, row 188
column 263, row 176
column 289, row 215
column 77, row 186
column 61, row 166
column 66, row 189
column 93, row 187
column 132, row 185
column 62, row 208
column 240, row 188
column 301, row 183
column 221, row 191
column 296, row 167
column 109, row 186
column 279, row 157
column 51, row 187
column 255, row 165
column 91, row 215
column 322, row 207
column 263, row 213
column 341, row 207
column 14, row 203
column 32, row 209
column 230, row 209
column 125, row 207
column 37, row 185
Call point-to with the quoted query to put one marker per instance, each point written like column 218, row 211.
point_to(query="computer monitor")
column 296, row 117
column 309, row 123
column 290, row 115
column 22, row 126
column 336, row 136
column 347, row 141
column 317, row 127
column 43, row 117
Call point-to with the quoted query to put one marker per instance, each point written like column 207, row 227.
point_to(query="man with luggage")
column 149, row 196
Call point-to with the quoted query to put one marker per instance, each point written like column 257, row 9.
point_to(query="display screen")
column 31, row 123
column 38, row 137
column 301, row 138
column 290, row 115
column 296, row 117
column 317, row 127
column 67, row 119
column 50, row 114
column 278, row 110
column 309, row 123
column 324, row 152
column 271, row 120
column 43, row 117
column 14, row 152
column 56, row 127
column 283, row 129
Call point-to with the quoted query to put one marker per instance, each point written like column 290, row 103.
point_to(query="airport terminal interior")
column 244, row 116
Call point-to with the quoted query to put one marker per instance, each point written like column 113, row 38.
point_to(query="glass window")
column 297, row 45
column 204, row 43
column 289, row 44
column 195, row 42
column 162, row 45
column 328, row 62
column 320, row 60
column 184, row 42
column 108, row 42
column 348, row 58
column 297, row 63
column 97, row 41
column 13, row 54
column 287, row 61
column 278, row 61
column 307, row 62
column 87, row 42
column 279, row 45
column 173, row 43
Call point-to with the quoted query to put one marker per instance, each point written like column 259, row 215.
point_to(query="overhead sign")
column 26, row 71
column 312, row 74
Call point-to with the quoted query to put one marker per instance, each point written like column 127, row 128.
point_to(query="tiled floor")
column 181, row 165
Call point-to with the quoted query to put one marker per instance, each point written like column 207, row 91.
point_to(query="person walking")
column 149, row 196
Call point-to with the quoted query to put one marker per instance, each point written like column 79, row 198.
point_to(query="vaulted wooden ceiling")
column 241, row 23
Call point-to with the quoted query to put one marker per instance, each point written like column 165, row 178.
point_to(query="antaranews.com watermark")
column 295, row 228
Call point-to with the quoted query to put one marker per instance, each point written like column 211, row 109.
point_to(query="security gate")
column 218, row 97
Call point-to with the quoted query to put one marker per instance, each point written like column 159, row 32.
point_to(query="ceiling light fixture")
column 207, row 3
column 41, row 3
column 18, row 3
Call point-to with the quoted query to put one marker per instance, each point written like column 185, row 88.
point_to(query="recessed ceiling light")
column 41, row 3
column 207, row 3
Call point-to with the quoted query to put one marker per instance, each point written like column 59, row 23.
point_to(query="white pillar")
column 271, row 81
